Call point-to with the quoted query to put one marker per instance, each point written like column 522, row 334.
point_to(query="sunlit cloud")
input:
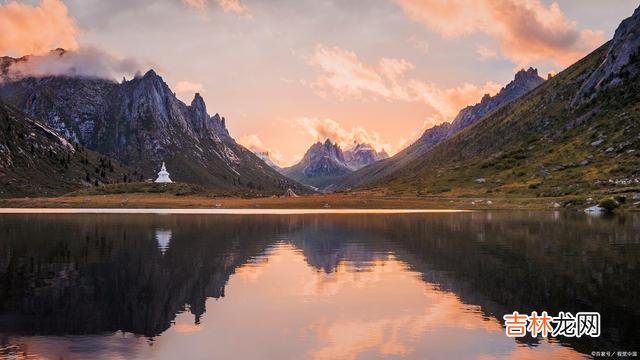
column 447, row 102
column 36, row 29
column 185, row 86
column 83, row 62
column 233, row 6
column 342, row 74
column 322, row 129
column 527, row 30
column 255, row 144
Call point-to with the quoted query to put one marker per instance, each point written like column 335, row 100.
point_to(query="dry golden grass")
column 342, row 201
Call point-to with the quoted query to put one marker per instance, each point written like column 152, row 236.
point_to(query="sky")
column 287, row 73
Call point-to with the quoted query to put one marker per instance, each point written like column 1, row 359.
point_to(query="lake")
column 312, row 286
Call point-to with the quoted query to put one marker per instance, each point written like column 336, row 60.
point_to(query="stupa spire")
column 163, row 175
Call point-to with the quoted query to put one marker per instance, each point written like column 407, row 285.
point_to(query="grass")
column 361, row 200
column 538, row 147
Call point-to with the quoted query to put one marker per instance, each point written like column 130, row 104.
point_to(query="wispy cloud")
column 485, row 53
column 185, row 86
column 36, row 29
column 342, row 74
column 527, row 30
column 418, row 43
column 84, row 62
column 255, row 144
column 196, row 4
column 322, row 129
column 233, row 6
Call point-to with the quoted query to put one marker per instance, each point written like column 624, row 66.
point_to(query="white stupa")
column 163, row 175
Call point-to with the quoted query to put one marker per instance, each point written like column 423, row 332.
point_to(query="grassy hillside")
column 539, row 145
column 35, row 161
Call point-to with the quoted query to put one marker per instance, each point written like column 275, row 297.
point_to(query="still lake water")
column 316, row 286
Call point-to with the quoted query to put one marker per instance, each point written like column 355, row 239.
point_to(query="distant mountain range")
column 141, row 123
column 523, row 82
column 325, row 165
column 574, row 134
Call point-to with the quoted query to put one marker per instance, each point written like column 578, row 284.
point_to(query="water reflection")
column 163, row 238
column 311, row 286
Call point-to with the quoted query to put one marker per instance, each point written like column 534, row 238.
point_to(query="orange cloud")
column 185, row 86
column 343, row 74
column 321, row 129
column 255, row 144
column 527, row 30
column 28, row 29
column 234, row 6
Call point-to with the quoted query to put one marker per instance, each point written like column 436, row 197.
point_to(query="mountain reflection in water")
column 312, row 286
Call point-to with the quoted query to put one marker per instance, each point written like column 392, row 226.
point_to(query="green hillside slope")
column 544, row 144
column 36, row 161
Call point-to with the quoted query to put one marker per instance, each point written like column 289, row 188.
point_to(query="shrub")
column 608, row 204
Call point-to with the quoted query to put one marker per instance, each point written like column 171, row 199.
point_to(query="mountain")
column 523, row 82
column 325, row 165
column 264, row 156
column 577, row 134
column 36, row 161
column 322, row 165
column 361, row 155
column 141, row 123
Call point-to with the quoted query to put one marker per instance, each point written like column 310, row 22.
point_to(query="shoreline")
column 204, row 211
column 326, row 202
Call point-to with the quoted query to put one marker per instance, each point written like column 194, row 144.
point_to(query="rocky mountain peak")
column 526, row 75
column 362, row 154
column 622, row 60
column 150, row 74
column 142, row 123
column 199, row 110
column 523, row 82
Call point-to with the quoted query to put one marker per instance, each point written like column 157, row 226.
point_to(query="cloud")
column 322, row 129
column 255, row 144
column 84, row 62
column 36, row 29
column 185, row 86
column 196, row 4
column 526, row 30
column 234, row 6
column 345, row 75
column 341, row 73
column 484, row 53
column 419, row 44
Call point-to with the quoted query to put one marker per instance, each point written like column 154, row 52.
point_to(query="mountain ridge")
column 325, row 164
column 546, row 144
column 523, row 82
column 141, row 123
column 31, row 153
